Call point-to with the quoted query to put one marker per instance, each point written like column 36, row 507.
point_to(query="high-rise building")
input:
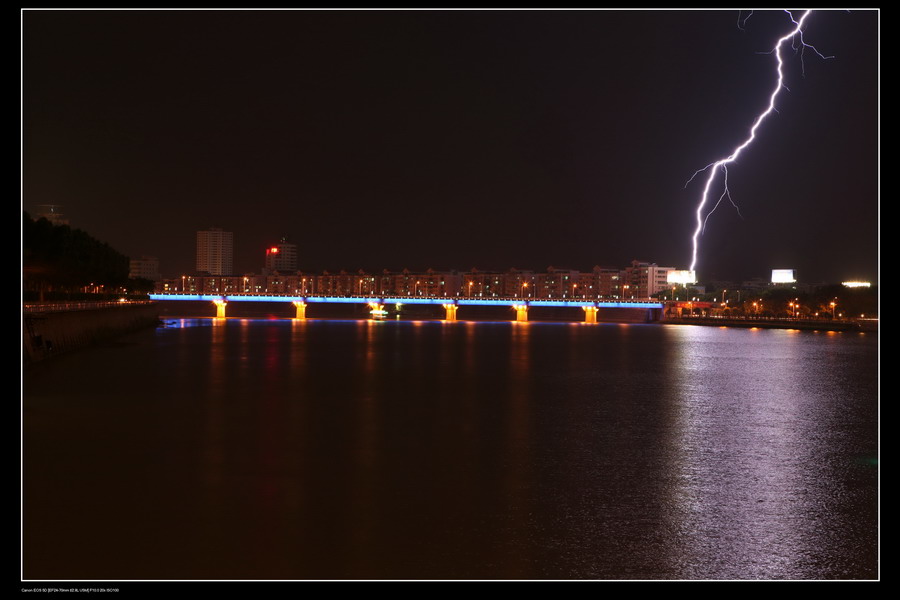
column 281, row 257
column 145, row 267
column 644, row 280
column 215, row 251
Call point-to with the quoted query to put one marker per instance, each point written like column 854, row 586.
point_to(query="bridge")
column 450, row 305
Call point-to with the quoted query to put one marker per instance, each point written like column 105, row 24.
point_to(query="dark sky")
column 455, row 139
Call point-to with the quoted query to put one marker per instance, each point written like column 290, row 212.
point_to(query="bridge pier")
column 451, row 311
column 521, row 312
column 590, row 314
column 301, row 310
column 220, row 308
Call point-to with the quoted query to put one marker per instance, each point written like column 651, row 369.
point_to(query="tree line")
column 57, row 258
column 824, row 301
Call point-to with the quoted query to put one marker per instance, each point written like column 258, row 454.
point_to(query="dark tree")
column 57, row 257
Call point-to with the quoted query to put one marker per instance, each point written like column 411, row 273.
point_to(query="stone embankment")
column 53, row 329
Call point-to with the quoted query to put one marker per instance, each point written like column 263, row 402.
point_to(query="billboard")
column 783, row 276
column 681, row 277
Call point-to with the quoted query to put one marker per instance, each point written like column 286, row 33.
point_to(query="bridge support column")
column 521, row 312
column 220, row 308
column 451, row 311
column 590, row 314
column 301, row 309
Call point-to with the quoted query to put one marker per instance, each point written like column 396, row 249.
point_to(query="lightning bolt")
column 797, row 43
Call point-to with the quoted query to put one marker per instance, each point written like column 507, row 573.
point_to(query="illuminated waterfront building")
column 518, row 284
column 558, row 283
column 439, row 284
column 482, row 284
column 281, row 258
column 644, row 280
column 638, row 282
column 609, row 282
column 215, row 251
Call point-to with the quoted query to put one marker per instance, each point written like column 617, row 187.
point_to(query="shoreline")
column 805, row 325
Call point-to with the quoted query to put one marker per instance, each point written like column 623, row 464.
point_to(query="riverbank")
column 53, row 329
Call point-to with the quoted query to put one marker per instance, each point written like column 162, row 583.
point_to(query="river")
column 267, row 449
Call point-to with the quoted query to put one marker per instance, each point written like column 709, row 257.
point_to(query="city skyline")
column 454, row 139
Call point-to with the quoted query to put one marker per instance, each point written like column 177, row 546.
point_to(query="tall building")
column 215, row 251
column 644, row 280
column 281, row 258
column 145, row 267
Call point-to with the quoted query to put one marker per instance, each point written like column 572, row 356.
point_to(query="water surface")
column 329, row 449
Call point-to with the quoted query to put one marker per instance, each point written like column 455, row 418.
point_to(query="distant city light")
column 856, row 284
column 783, row 276
column 682, row 277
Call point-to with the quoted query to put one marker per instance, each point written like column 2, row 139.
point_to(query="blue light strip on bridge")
column 206, row 297
column 405, row 300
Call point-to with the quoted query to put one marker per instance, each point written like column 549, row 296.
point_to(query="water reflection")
column 755, row 418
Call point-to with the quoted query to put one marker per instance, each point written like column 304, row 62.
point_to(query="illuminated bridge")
column 450, row 305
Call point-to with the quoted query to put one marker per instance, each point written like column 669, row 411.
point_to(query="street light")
column 794, row 306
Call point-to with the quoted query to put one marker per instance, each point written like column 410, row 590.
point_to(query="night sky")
column 455, row 139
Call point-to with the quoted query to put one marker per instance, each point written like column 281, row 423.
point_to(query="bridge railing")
column 42, row 307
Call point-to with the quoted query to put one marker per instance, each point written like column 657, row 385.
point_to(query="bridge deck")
column 460, row 301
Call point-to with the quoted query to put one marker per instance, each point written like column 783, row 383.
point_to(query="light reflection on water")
column 269, row 449
column 745, row 461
